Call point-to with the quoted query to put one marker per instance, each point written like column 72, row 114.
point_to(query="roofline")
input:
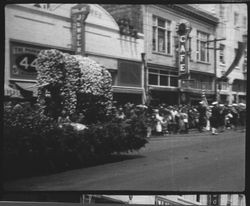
column 197, row 13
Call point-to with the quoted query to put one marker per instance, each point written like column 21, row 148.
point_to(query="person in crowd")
column 150, row 121
column 202, row 109
column 184, row 117
column 159, row 120
column 228, row 118
column 222, row 117
column 214, row 119
column 165, row 125
column 235, row 118
column 242, row 114
column 209, row 113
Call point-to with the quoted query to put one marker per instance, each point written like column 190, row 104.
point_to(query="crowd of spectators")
column 173, row 119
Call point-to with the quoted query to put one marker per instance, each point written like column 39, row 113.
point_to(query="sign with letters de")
column 79, row 14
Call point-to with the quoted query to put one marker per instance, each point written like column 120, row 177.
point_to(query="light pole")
column 217, row 95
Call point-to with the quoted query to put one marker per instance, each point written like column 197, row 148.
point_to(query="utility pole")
column 215, row 65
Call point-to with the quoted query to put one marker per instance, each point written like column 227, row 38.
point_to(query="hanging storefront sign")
column 79, row 14
column 183, row 29
column 23, row 60
column 183, row 54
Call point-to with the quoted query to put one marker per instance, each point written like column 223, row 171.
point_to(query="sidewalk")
column 196, row 132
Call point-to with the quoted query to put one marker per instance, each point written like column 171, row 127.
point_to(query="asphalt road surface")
column 193, row 162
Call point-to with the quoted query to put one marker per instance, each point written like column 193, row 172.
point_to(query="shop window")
column 129, row 74
column 202, row 47
column 174, row 81
column 153, row 79
column 162, row 78
column 161, row 37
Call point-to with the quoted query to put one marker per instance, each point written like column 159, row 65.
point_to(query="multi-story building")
column 232, row 29
column 204, row 199
column 138, row 44
column 158, row 24
column 33, row 27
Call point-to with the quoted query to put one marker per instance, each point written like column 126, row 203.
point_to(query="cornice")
column 193, row 12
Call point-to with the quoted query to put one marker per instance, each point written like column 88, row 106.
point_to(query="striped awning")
column 28, row 86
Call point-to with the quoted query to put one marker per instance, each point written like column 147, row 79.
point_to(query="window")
column 202, row 47
column 244, row 22
column 236, row 18
column 129, row 73
column 222, row 56
column 222, row 11
column 235, row 54
column 162, row 78
column 197, row 198
column 190, row 48
column 161, row 40
column 245, row 62
column 229, row 200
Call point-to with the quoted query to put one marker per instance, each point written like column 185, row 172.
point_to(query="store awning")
column 108, row 63
column 10, row 92
column 28, row 86
column 131, row 90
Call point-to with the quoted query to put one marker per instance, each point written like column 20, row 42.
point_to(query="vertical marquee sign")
column 79, row 13
column 183, row 29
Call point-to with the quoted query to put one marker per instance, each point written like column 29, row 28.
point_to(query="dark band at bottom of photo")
column 76, row 199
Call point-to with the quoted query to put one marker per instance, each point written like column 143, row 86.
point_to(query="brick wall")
column 131, row 11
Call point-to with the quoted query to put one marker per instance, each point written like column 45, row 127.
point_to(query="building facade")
column 33, row 27
column 233, row 29
column 162, row 50
column 139, row 45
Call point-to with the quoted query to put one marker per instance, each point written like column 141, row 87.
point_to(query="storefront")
column 99, row 39
column 23, row 64
column 163, row 85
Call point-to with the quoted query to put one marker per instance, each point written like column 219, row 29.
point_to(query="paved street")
column 193, row 162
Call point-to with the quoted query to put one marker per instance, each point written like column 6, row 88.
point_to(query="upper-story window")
column 222, row 11
column 235, row 54
column 244, row 22
column 202, row 46
column 236, row 18
column 161, row 41
column 222, row 55
column 245, row 62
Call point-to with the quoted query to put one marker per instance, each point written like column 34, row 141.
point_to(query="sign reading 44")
column 27, row 62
